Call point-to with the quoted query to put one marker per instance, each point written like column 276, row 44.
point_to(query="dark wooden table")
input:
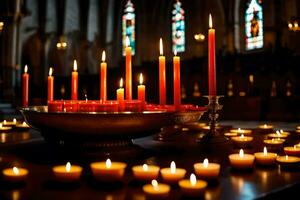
column 30, row 151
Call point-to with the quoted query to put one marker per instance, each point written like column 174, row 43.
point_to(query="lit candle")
column 67, row 173
column 145, row 172
column 242, row 140
column 141, row 89
column 265, row 158
column 284, row 132
column 50, row 85
column 74, row 92
column 162, row 75
column 103, row 78
column 287, row 160
column 156, row 190
column 4, row 128
column 25, row 90
column 241, row 131
column 22, row 125
column 277, row 135
column 274, row 143
column 292, row 151
column 120, row 96
column 207, row 170
column 9, row 123
column 241, row 160
column 15, row 174
column 108, row 171
column 265, row 126
column 177, row 86
column 128, row 77
column 192, row 186
column 172, row 174
column 211, row 59
column 230, row 134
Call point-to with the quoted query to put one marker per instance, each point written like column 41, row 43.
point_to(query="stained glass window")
column 178, row 28
column 254, row 25
column 128, row 26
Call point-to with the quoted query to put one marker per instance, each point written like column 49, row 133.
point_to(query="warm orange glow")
column 121, row 82
column 161, row 48
column 103, row 56
column 205, row 163
column 210, row 23
column 241, row 153
column 141, row 78
column 50, row 71
column 25, row 69
column 265, row 151
column 127, row 42
column 108, row 163
column 68, row 167
column 175, row 52
column 75, row 66
column 193, row 179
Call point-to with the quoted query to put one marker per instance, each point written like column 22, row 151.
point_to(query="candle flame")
column 4, row 122
column 1, row 125
column 295, row 147
column 193, row 179
column 205, row 163
column 14, row 120
column 127, row 42
column 141, row 78
column 265, row 151
column 242, row 136
column 50, row 71
column 86, row 98
column 24, row 124
column 154, row 184
column 175, row 52
column 210, row 23
column 241, row 153
column 16, row 170
column 75, row 66
column 286, row 157
column 161, row 48
column 145, row 167
column 108, row 163
column 121, row 82
column 173, row 167
column 25, row 69
column 68, row 167
column 103, row 56
column 281, row 131
column 265, row 126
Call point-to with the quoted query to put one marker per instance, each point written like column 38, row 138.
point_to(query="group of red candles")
column 126, row 104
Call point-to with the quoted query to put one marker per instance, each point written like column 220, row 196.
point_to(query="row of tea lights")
column 9, row 125
column 108, row 171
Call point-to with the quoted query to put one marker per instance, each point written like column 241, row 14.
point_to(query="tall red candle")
column 74, row 92
column 25, row 90
column 120, row 96
column 162, row 75
column 211, row 60
column 141, row 90
column 50, row 85
column 103, row 78
column 128, row 77
column 177, row 86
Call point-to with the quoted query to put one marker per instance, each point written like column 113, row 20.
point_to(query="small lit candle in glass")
column 192, row 186
column 172, row 174
column 15, row 174
column 241, row 160
column 108, row 171
column 67, row 173
column 207, row 170
column 156, row 190
column 145, row 172
column 265, row 157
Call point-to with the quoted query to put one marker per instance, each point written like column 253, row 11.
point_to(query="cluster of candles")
column 9, row 125
column 127, row 103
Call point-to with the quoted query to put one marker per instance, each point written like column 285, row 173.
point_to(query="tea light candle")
column 265, row 127
column 241, row 160
column 156, row 190
column 287, row 160
column 207, row 170
column 172, row 174
column 4, row 128
column 9, row 123
column 241, row 131
column 242, row 140
column 23, row 125
column 108, row 171
column 15, row 174
column 284, row 132
column 292, row 151
column 265, row 158
column 230, row 134
column 277, row 135
column 274, row 142
column 192, row 186
column 67, row 173
column 145, row 172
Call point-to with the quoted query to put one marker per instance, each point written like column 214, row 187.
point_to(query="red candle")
column 162, row 75
column 211, row 60
column 141, row 90
column 128, row 70
column 103, row 72
column 50, row 85
column 55, row 106
column 25, row 78
column 70, row 106
column 177, row 87
column 74, row 92
column 120, row 96
column 109, row 106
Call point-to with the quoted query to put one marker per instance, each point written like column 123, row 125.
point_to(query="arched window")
column 178, row 28
column 128, row 26
column 254, row 25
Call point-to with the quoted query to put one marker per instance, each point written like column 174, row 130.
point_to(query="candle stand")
column 213, row 135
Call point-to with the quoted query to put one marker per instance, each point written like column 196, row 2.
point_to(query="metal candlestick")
column 213, row 135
